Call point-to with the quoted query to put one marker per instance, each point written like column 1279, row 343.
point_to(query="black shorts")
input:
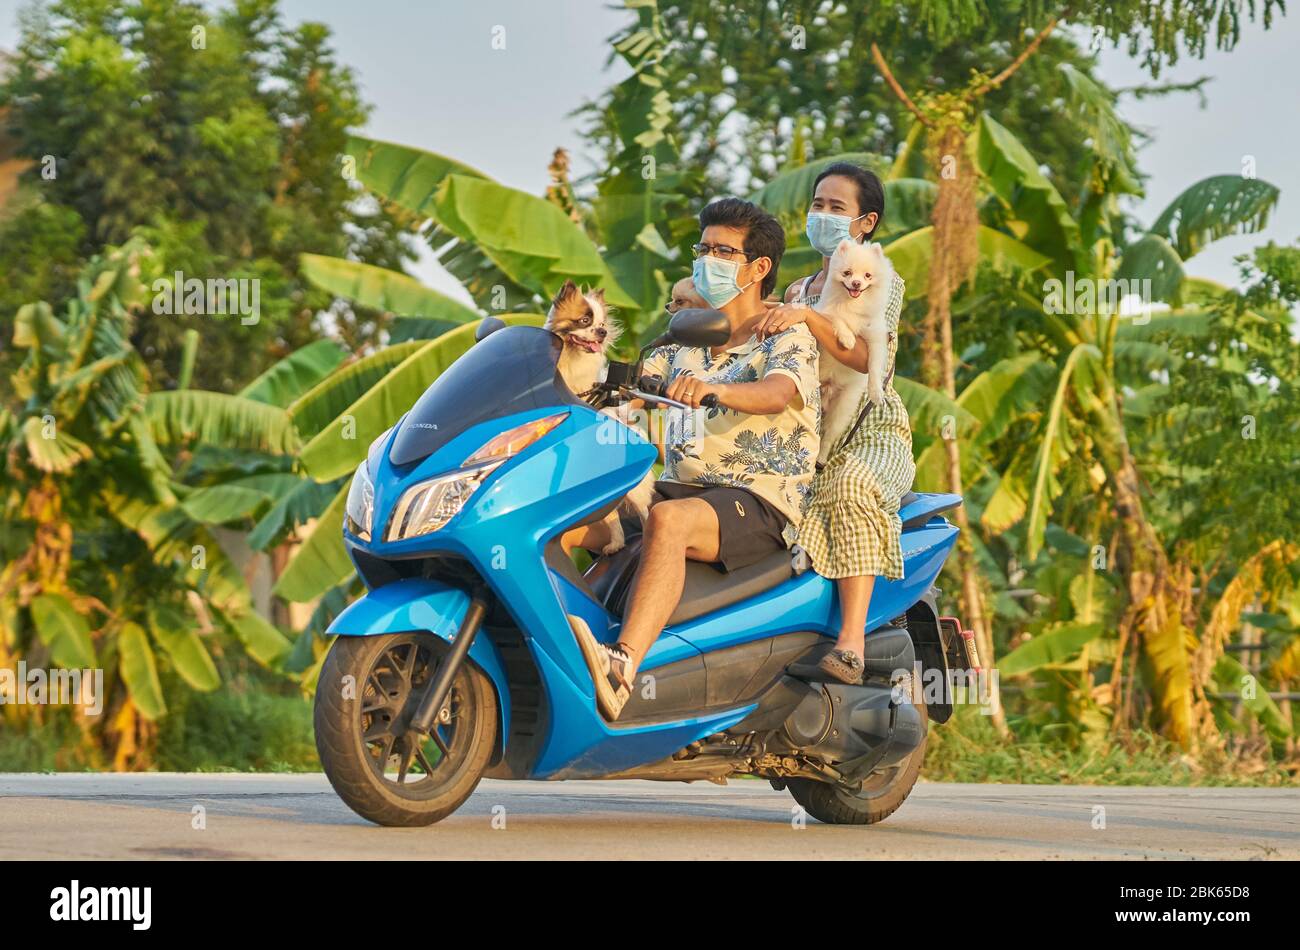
column 749, row 528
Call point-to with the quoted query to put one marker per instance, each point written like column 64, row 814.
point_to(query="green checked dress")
column 851, row 526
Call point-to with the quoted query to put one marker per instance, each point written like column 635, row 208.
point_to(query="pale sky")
column 435, row 81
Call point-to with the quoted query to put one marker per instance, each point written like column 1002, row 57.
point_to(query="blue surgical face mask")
column 715, row 280
column 825, row 231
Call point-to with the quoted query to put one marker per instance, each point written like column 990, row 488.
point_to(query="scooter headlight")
column 426, row 507
column 359, row 512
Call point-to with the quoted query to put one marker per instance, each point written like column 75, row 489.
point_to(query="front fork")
column 430, row 710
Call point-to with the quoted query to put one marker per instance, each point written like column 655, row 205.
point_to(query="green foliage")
column 105, row 551
column 292, row 376
column 1216, row 207
column 968, row 749
column 233, row 135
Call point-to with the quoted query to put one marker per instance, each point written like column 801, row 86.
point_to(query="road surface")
column 238, row 816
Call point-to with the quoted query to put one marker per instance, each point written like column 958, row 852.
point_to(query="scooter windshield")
column 509, row 371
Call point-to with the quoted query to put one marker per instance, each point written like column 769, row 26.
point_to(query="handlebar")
column 655, row 385
column 646, row 388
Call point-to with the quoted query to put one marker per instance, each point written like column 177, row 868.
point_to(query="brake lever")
column 662, row 400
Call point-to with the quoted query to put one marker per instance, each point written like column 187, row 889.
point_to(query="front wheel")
column 879, row 797
column 368, row 690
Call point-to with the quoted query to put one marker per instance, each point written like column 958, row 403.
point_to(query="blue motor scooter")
column 460, row 661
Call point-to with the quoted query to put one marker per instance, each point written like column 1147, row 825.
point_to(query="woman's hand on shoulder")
column 781, row 317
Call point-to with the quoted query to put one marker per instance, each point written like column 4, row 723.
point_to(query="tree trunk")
column 1153, row 618
column 955, row 254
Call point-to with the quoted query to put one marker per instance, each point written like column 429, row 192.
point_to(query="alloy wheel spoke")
column 436, row 735
column 423, row 759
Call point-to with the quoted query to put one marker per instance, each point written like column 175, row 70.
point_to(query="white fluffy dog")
column 854, row 301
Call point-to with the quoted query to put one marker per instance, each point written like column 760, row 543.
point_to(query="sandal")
column 610, row 667
column 843, row 666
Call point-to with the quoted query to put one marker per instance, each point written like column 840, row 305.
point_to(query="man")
column 735, row 477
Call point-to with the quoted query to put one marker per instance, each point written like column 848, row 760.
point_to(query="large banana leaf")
column 1167, row 651
column 306, row 500
column 341, row 445
column 909, row 202
column 788, row 195
column 321, row 563
column 140, row 671
column 35, row 325
column 411, row 177
column 1108, row 135
column 382, row 289
column 1005, row 391
column 1039, row 215
column 1055, row 445
column 218, row 504
column 994, row 400
column 1051, row 647
column 175, row 633
column 64, row 631
column 1153, row 258
column 1229, row 672
column 927, row 408
column 911, row 253
column 407, row 176
column 1215, row 207
column 292, row 376
column 220, row 420
column 1190, row 322
column 1010, row 497
column 315, row 409
column 260, row 638
column 58, row 454
column 529, row 238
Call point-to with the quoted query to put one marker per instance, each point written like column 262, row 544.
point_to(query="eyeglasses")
column 717, row 250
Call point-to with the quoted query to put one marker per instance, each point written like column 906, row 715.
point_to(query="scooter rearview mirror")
column 699, row 327
column 487, row 326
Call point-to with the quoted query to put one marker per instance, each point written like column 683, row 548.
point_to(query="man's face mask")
column 715, row 280
column 825, row 231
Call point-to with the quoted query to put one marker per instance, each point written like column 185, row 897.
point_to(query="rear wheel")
column 879, row 797
column 368, row 690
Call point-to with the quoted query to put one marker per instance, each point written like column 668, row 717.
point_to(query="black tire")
column 353, row 729
column 881, row 795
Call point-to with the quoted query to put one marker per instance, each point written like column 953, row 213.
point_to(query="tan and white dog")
column 854, row 300
column 581, row 320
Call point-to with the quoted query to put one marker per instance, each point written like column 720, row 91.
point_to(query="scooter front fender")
column 421, row 605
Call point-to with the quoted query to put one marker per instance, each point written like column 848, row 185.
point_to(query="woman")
column 851, row 527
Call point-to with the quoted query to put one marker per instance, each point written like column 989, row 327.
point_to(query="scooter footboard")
column 420, row 604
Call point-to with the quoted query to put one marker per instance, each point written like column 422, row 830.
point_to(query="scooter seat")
column 706, row 589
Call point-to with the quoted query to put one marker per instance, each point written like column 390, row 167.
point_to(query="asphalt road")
column 153, row 816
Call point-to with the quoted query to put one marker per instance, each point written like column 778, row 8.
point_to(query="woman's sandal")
column 843, row 666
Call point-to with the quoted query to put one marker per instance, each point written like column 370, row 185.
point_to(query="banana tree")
column 109, row 560
column 1060, row 404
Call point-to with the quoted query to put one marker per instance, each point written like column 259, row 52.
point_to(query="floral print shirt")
column 772, row 456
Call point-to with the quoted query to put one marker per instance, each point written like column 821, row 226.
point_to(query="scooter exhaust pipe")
column 435, row 694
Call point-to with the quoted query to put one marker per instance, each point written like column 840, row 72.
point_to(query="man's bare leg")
column 676, row 530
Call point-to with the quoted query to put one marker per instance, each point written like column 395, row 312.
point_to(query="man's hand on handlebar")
column 694, row 392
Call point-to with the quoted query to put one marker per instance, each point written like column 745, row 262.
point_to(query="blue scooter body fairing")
column 576, row 470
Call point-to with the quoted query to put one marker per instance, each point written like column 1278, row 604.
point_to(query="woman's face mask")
column 825, row 231
column 715, row 280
